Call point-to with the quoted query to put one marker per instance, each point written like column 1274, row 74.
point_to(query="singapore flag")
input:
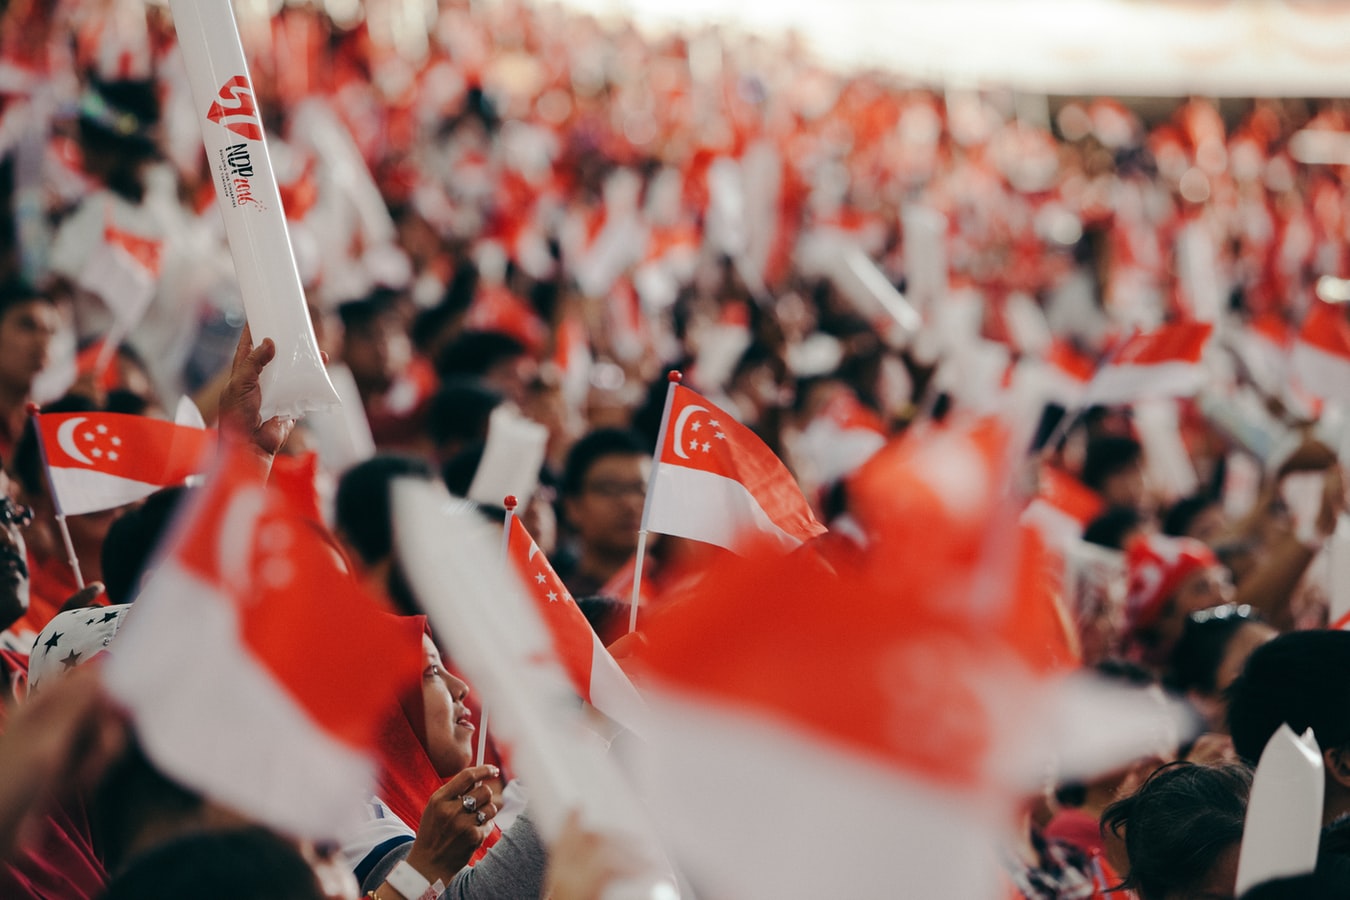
column 102, row 460
column 716, row 481
column 595, row 675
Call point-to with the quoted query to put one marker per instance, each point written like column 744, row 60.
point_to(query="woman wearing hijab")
column 422, row 831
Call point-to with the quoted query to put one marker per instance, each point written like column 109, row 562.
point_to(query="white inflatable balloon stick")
column 255, row 223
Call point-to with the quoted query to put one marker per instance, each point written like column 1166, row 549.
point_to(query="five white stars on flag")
column 98, row 452
column 553, row 596
column 705, row 446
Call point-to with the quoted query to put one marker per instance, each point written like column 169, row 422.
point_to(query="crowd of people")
column 503, row 212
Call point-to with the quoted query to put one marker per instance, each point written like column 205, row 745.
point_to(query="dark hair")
column 132, row 796
column 476, row 352
column 1199, row 653
column 116, row 124
column 1294, row 887
column 219, row 865
column 459, row 411
column 1178, row 823
column 16, row 292
column 361, row 507
column 132, row 538
column 597, row 444
column 1111, row 527
column 1177, row 521
column 607, row 616
column 1301, row 679
column 1108, row 455
column 362, row 312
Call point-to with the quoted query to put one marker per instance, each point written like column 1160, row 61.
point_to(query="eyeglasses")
column 1226, row 611
column 12, row 513
column 613, row 490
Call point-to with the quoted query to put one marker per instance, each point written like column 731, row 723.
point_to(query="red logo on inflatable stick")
column 237, row 106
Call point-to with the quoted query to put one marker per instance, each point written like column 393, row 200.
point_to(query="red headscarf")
column 407, row 778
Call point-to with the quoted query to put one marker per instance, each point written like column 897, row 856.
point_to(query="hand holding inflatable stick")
column 250, row 202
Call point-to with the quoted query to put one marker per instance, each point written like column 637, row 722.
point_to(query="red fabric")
column 58, row 862
column 572, row 635
column 1156, row 566
column 960, row 607
column 135, row 447
column 407, row 778
column 293, row 582
column 1178, row 342
column 1073, row 826
column 294, row 477
column 50, row 585
column 701, row 436
column 1326, row 329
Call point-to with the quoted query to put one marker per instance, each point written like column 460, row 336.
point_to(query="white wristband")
column 412, row 884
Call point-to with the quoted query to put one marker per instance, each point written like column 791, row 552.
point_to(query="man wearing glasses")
column 603, row 487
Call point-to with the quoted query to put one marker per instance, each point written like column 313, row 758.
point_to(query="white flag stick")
column 71, row 558
column 510, row 504
column 250, row 203
column 672, row 379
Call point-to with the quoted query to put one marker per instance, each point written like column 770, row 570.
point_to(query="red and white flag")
column 1062, row 508
column 1153, row 365
column 1067, row 374
column 237, row 671
column 123, row 271
column 100, row 460
column 715, row 481
column 595, row 675
column 844, row 436
column 1321, row 356
column 831, row 670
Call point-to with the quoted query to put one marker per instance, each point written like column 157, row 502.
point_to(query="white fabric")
column 257, row 750
column 882, row 834
column 1321, row 373
column 80, row 491
column 1129, row 383
column 707, row 507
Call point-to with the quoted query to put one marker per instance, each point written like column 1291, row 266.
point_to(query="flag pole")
column 673, row 379
column 510, row 504
column 35, row 411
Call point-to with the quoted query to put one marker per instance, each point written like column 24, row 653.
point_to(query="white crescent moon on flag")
column 65, row 437
column 679, row 428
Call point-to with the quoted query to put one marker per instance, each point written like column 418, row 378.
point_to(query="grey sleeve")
column 380, row 871
column 512, row 870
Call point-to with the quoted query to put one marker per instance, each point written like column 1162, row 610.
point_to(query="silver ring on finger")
column 470, row 803
column 482, row 817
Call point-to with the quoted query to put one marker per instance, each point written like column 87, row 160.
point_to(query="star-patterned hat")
column 72, row 638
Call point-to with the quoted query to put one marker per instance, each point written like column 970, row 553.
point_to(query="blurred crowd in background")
column 497, row 206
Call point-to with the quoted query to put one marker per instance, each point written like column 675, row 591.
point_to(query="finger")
column 261, row 355
column 466, row 779
column 477, row 798
column 85, row 596
column 483, row 817
column 244, row 348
